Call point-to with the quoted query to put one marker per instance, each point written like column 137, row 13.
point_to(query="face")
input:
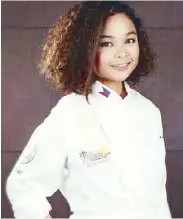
column 118, row 50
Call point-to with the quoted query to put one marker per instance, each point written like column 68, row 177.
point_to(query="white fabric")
column 107, row 158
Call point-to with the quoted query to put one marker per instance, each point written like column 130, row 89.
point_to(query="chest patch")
column 94, row 156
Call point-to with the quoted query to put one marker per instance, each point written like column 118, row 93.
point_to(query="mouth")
column 120, row 67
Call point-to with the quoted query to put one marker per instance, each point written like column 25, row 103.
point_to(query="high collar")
column 105, row 94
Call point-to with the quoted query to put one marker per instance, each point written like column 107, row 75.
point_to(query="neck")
column 124, row 92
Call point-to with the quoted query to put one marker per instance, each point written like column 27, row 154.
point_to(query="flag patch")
column 105, row 92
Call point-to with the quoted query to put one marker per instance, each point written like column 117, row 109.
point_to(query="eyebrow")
column 127, row 34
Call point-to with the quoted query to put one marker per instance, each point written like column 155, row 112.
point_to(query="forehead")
column 118, row 25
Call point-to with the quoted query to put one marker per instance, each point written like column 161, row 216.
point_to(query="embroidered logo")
column 96, row 156
column 105, row 92
column 29, row 155
column 26, row 157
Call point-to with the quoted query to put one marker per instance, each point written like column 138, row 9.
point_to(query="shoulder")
column 143, row 103
column 67, row 108
column 70, row 103
column 148, row 112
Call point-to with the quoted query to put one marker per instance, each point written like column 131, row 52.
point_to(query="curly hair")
column 70, row 48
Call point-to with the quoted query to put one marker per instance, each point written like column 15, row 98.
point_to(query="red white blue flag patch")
column 105, row 92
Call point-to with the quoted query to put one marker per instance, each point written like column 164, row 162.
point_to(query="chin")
column 123, row 78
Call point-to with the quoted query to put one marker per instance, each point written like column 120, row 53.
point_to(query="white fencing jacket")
column 107, row 158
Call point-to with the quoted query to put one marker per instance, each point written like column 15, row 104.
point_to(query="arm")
column 164, row 209
column 38, row 173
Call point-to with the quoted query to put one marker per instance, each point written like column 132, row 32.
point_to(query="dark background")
column 27, row 99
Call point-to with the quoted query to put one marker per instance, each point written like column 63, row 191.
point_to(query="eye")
column 131, row 40
column 105, row 44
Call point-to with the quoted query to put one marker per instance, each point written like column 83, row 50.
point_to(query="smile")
column 120, row 66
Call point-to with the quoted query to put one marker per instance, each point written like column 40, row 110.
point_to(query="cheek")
column 102, row 59
column 136, row 53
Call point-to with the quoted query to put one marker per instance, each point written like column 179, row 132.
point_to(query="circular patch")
column 28, row 158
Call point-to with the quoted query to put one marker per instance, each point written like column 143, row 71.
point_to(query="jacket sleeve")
column 164, row 210
column 39, row 171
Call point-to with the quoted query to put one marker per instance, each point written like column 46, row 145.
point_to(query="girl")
column 102, row 145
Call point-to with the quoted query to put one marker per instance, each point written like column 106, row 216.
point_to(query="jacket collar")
column 105, row 94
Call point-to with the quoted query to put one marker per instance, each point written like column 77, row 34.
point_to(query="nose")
column 120, row 53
